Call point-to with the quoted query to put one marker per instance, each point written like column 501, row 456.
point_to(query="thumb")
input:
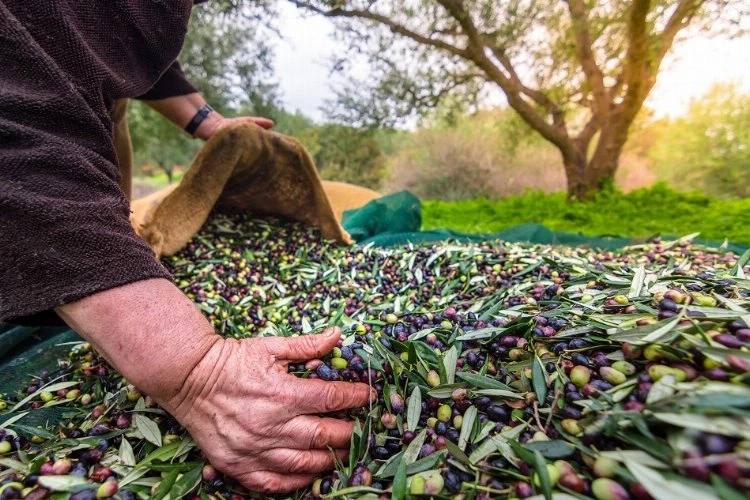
column 303, row 348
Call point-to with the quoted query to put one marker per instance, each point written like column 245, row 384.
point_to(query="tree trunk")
column 587, row 176
column 167, row 170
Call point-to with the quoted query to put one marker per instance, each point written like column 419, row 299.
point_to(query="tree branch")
column 586, row 58
column 512, row 87
column 589, row 130
column 538, row 96
column 636, row 58
column 393, row 26
column 680, row 18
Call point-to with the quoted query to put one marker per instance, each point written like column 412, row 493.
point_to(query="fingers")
column 318, row 396
column 303, row 348
column 287, row 460
column 272, row 482
column 263, row 122
column 318, row 433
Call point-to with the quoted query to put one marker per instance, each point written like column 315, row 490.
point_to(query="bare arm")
column 251, row 418
column 181, row 109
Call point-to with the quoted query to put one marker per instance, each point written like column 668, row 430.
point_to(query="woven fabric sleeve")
column 64, row 222
column 171, row 84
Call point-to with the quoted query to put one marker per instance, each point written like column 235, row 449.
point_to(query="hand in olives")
column 259, row 424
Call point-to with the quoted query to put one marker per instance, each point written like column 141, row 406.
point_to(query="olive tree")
column 577, row 71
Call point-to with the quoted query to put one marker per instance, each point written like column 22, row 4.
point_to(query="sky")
column 689, row 72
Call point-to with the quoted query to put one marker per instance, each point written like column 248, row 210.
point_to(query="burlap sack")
column 245, row 168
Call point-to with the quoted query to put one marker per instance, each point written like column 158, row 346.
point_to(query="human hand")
column 259, row 424
column 215, row 122
column 252, row 419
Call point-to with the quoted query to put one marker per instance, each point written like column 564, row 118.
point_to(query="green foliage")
column 491, row 153
column 641, row 213
column 710, row 146
column 567, row 68
column 350, row 155
column 227, row 59
column 157, row 142
column 341, row 153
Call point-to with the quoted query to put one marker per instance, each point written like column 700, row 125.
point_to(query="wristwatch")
column 201, row 115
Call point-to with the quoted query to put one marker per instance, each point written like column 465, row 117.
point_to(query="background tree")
column 709, row 147
column 227, row 57
column 157, row 143
column 350, row 154
column 577, row 71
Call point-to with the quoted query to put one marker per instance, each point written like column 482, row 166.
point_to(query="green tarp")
column 396, row 220
column 390, row 221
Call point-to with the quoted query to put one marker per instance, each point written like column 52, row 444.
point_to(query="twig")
column 536, row 416
column 558, row 392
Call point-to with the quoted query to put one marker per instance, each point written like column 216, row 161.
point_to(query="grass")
column 158, row 180
column 640, row 213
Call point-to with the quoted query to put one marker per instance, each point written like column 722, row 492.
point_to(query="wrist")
column 148, row 331
column 205, row 375
column 208, row 126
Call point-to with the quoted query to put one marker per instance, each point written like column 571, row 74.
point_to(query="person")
column 175, row 98
column 67, row 244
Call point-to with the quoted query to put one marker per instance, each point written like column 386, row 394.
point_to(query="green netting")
column 25, row 351
column 396, row 220
column 389, row 221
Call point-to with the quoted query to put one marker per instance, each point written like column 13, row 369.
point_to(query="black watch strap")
column 201, row 115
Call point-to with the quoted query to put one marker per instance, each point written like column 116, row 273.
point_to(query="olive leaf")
column 661, row 389
column 127, row 457
column 414, row 410
column 555, row 448
column 499, row 393
column 398, row 490
column 412, row 451
column 354, row 492
column 662, row 488
column 47, row 388
column 737, row 270
column 725, row 491
column 637, row 284
column 639, row 456
column 540, row 466
column 132, row 476
column 148, row 428
column 482, row 382
column 727, row 426
column 444, row 391
column 165, row 485
column 467, row 426
column 61, row 483
column 13, row 419
column 14, row 465
column 481, row 333
column 186, row 483
column 457, row 453
column 163, row 454
column 539, row 379
column 449, row 361
column 647, row 333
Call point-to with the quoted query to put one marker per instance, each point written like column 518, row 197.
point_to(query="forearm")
column 181, row 109
column 148, row 330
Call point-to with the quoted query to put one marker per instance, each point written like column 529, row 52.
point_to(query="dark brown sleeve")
column 171, row 84
column 65, row 231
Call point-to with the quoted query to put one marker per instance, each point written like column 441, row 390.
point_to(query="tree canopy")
column 576, row 71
